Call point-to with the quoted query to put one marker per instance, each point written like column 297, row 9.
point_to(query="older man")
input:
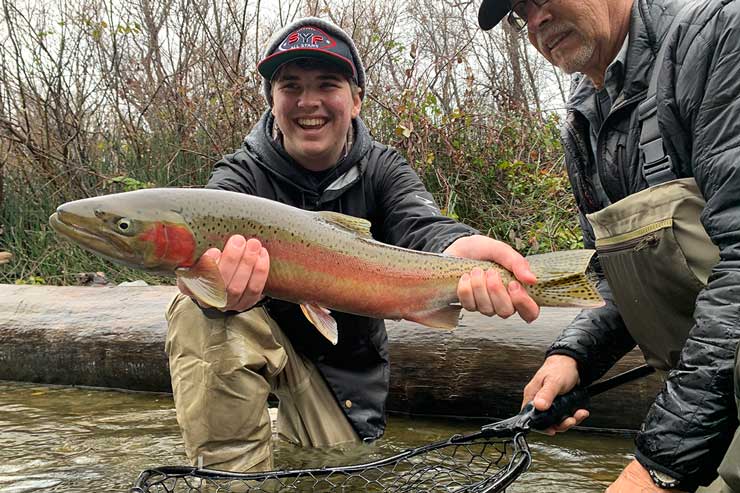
column 658, row 192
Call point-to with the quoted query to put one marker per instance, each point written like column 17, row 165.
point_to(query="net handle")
column 563, row 405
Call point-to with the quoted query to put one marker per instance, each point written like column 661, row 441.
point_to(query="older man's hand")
column 557, row 376
column 636, row 479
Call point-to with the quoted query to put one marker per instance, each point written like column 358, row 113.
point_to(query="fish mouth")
column 74, row 228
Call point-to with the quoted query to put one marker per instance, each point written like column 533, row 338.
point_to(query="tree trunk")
column 114, row 337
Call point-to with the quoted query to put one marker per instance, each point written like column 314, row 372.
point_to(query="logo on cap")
column 308, row 42
column 307, row 38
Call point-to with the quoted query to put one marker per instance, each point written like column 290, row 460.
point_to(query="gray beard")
column 578, row 61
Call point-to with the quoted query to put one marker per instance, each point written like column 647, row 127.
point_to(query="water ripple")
column 78, row 440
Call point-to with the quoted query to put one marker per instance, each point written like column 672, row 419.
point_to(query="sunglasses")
column 517, row 17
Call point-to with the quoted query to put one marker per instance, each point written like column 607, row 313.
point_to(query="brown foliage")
column 103, row 94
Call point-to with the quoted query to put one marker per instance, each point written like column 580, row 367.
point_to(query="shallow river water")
column 55, row 439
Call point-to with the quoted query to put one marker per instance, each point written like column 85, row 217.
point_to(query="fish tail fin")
column 442, row 318
column 563, row 279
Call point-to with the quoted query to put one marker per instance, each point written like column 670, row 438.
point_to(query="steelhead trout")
column 320, row 260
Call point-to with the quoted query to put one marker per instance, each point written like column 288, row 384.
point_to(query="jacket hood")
column 277, row 162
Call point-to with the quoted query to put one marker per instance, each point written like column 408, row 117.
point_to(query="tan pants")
column 223, row 370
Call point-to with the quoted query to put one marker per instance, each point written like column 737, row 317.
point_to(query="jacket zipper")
column 598, row 182
column 585, row 181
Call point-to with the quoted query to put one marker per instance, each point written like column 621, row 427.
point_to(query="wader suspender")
column 657, row 166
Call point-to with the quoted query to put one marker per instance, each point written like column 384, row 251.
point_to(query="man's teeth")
column 311, row 122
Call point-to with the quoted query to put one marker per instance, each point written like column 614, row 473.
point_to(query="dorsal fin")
column 351, row 223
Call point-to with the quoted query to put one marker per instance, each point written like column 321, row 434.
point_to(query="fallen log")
column 114, row 337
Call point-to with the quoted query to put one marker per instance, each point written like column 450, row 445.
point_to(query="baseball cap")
column 308, row 42
column 491, row 12
column 311, row 37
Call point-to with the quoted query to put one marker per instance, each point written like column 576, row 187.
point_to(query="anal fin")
column 443, row 318
column 321, row 319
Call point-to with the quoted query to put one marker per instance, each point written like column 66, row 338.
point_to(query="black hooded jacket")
column 373, row 182
column 691, row 423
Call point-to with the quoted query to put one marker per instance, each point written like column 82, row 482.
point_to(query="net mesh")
column 475, row 464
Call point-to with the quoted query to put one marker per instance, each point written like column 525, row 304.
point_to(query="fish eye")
column 125, row 225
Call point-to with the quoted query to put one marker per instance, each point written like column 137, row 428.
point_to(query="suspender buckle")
column 657, row 166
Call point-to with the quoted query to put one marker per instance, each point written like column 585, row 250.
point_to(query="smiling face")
column 313, row 108
column 579, row 35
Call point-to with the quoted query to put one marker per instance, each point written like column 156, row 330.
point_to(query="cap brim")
column 269, row 65
column 491, row 12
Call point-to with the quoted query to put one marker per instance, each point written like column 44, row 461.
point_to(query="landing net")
column 462, row 463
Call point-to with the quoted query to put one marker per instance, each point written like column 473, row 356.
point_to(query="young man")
column 666, row 225
column 310, row 150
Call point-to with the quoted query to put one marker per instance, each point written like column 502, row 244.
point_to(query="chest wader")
column 657, row 256
column 654, row 250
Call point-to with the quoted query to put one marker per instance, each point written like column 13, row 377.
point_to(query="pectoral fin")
column 205, row 282
column 444, row 318
column 322, row 320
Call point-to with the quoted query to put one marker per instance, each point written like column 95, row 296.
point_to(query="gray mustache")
column 549, row 30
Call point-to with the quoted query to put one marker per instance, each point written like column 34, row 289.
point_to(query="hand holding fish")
column 557, row 375
column 484, row 291
column 243, row 265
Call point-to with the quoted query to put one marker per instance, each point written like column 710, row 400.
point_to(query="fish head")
column 135, row 229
